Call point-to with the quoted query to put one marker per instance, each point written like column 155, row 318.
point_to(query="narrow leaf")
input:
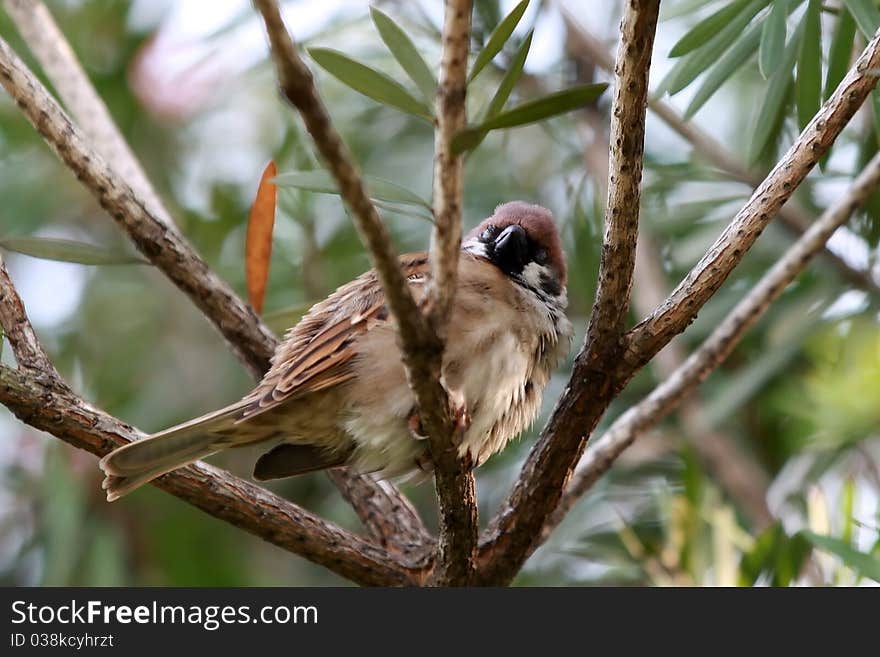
column 777, row 90
column 686, row 70
column 866, row 15
column 406, row 54
column 841, row 51
column 543, row 108
column 808, row 88
column 258, row 244
column 707, row 28
column 772, row 39
column 498, row 38
column 508, row 82
column 720, row 73
column 62, row 250
column 322, row 182
column 865, row 564
column 368, row 81
column 530, row 112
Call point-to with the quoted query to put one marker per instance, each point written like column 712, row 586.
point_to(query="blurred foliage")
column 800, row 395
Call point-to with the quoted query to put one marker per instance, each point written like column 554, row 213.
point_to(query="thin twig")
column 29, row 353
column 454, row 483
column 627, row 145
column 248, row 337
column 421, row 347
column 793, row 215
column 40, row 32
column 666, row 396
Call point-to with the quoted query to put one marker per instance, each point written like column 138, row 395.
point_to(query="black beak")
column 511, row 250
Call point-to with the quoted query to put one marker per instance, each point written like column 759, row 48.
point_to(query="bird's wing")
column 317, row 353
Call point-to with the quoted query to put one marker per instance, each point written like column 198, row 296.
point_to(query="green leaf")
column 406, row 54
column 772, row 39
column 808, row 88
column 841, row 51
column 865, row 565
column 732, row 60
column 688, row 68
column 508, row 82
column 529, row 112
column 498, row 38
column 866, row 15
column 368, row 81
column 777, row 90
column 707, row 28
column 50, row 248
column 322, row 182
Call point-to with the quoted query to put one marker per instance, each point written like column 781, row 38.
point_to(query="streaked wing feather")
column 316, row 354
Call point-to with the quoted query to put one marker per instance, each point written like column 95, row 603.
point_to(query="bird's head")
column 521, row 239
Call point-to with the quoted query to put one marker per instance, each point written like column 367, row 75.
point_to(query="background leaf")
column 808, row 88
column 866, row 15
column 63, row 250
column 368, row 81
column 866, row 565
column 322, row 182
column 707, row 28
column 841, row 51
column 777, row 90
column 772, row 39
column 258, row 244
column 498, row 38
column 406, row 54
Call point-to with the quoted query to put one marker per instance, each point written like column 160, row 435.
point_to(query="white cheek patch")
column 476, row 247
column 534, row 276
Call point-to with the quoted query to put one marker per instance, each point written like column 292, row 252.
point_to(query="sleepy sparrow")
column 336, row 393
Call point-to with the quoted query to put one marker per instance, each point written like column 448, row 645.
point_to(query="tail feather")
column 138, row 463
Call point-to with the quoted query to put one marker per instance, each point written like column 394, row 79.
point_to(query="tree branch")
column 422, row 349
column 244, row 332
column 793, row 215
column 681, row 307
column 47, row 43
column 453, row 480
column 715, row 349
column 627, row 145
column 38, row 396
column 592, row 386
column 248, row 337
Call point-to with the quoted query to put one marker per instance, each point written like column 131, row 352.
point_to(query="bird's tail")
column 139, row 462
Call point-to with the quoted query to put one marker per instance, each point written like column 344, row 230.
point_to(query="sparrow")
column 336, row 393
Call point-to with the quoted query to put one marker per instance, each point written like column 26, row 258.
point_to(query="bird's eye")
column 541, row 256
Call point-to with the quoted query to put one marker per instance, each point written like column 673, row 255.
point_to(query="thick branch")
column 47, row 43
column 627, row 145
column 167, row 250
column 665, row 397
column 793, row 215
column 592, row 385
column 681, row 307
column 456, row 491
